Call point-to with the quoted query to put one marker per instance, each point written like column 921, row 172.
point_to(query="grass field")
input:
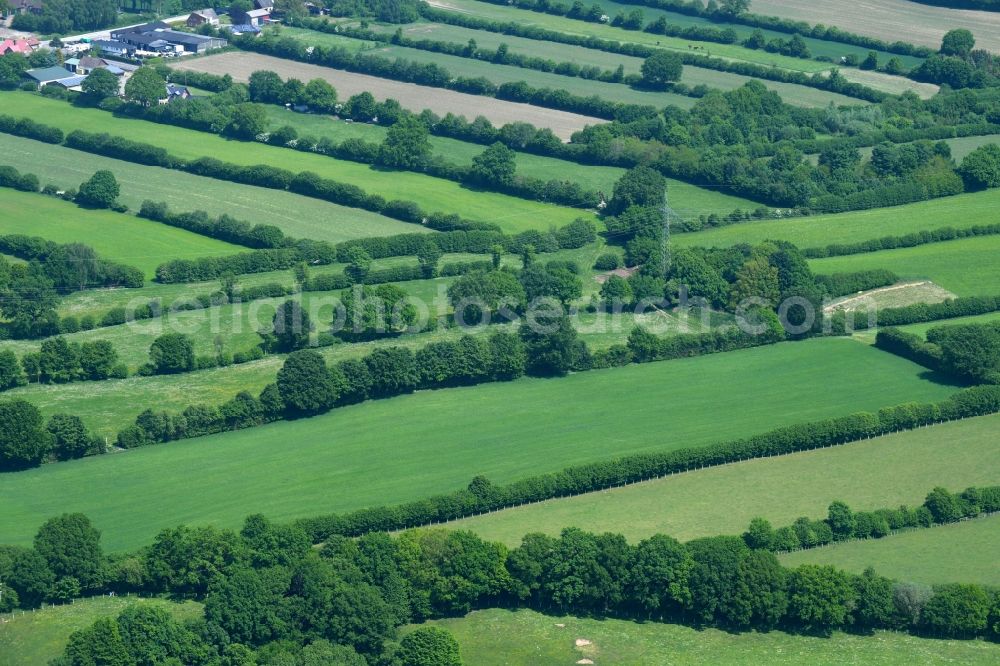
column 575, row 27
column 868, row 335
column 790, row 92
column 296, row 215
column 890, row 20
column 500, row 637
column 240, row 65
column 38, row 637
column 505, row 431
column 723, row 500
column 957, row 553
column 967, row 266
column 685, row 199
column 817, row 47
column 468, row 67
column 964, row 210
column 433, row 194
column 115, row 236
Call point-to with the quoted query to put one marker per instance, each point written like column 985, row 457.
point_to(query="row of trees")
column 269, row 591
column 940, row 507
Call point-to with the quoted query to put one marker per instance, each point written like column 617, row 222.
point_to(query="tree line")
column 269, row 593
column 940, row 507
column 938, row 235
column 962, row 306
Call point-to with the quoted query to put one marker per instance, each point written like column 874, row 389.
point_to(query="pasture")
column 38, row 637
column 504, row 431
column 686, row 200
column 961, row 211
column 433, row 194
column 967, row 267
column 890, row 20
column 604, row 31
column 296, row 215
column 962, row 552
column 795, row 94
column 411, row 96
column 723, row 500
column 471, row 68
column 115, row 236
column 500, row 637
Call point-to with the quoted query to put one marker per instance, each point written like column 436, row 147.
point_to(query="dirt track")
column 889, row 19
column 240, row 65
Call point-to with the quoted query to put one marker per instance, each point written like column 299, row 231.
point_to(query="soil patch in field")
column 240, row 65
column 893, row 296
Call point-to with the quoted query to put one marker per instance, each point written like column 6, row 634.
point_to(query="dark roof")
column 206, row 13
column 87, row 62
column 47, row 74
column 110, row 44
column 263, row 4
column 140, row 29
column 25, row 4
column 242, row 27
column 177, row 37
column 71, row 81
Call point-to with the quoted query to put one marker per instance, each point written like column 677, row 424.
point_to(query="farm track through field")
column 240, row 65
column 889, row 20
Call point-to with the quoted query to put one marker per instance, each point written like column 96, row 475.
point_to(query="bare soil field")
column 894, row 85
column 240, row 65
column 890, row 20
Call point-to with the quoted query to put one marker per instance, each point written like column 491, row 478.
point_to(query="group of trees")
column 970, row 352
column 30, row 292
column 27, row 440
column 63, row 16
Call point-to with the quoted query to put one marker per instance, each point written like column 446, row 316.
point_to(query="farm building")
column 243, row 29
column 111, row 47
column 43, row 76
column 254, row 17
column 202, row 17
column 159, row 37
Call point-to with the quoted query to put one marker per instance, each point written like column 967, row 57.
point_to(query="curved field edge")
column 120, row 237
column 723, row 500
column 959, row 552
column 436, row 441
column 498, row 637
column 40, row 636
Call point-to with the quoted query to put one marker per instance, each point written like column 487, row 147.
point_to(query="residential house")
column 264, row 4
column 87, row 64
column 201, row 17
column 22, row 46
column 15, row 7
column 175, row 91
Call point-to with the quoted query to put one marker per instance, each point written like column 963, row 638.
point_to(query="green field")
column 723, row 500
column 468, row 67
column 500, row 637
column 433, row 194
column 685, row 199
column 967, row 267
column 40, row 636
column 921, row 329
column 115, row 236
column 296, row 215
column 964, row 210
column 960, row 147
column 505, row 431
column 575, row 27
column 795, row 94
column 958, row 553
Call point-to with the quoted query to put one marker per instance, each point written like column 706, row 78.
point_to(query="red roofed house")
column 22, row 46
